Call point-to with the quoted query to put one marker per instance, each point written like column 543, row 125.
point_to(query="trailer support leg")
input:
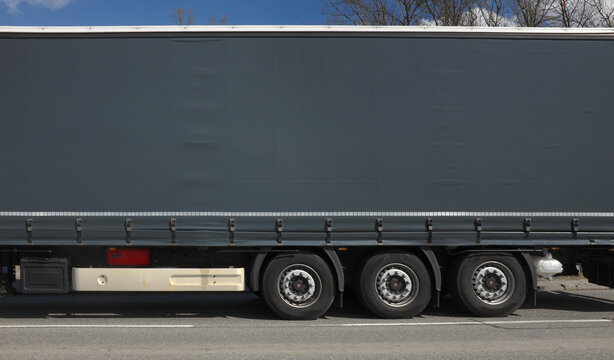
column 5, row 270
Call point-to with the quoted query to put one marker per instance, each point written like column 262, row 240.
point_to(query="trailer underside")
column 201, row 254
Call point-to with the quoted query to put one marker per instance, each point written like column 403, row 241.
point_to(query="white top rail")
column 332, row 29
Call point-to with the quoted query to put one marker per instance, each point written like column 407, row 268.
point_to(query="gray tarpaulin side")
column 306, row 124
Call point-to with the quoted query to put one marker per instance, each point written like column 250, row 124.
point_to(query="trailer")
column 297, row 162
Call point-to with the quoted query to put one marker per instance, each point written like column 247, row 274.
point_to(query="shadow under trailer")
column 301, row 162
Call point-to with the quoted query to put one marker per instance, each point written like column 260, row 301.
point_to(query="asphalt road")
column 565, row 325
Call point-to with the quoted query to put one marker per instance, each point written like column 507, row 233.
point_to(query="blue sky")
column 156, row 12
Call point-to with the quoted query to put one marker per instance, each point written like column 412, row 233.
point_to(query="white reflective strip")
column 301, row 29
column 304, row 214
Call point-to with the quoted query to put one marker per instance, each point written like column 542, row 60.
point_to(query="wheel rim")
column 493, row 283
column 396, row 284
column 299, row 285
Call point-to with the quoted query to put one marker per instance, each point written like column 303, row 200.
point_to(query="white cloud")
column 478, row 17
column 481, row 17
column 13, row 5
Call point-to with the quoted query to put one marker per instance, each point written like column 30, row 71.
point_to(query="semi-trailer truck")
column 297, row 162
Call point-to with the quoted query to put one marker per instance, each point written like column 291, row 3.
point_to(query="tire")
column 488, row 285
column 298, row 286
column 377, row 280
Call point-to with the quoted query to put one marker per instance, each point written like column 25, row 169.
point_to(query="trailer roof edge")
column 304, row 30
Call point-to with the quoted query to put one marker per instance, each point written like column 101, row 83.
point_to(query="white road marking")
column 477, row 322
column 446, row 323
column 43, row 326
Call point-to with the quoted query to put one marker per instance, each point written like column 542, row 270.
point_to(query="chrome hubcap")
column 396, row 284
column 493, row 283
column 299, row 285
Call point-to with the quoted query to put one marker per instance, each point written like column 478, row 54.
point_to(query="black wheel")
column 298, row 286
column 488, row 285
column 395, row 285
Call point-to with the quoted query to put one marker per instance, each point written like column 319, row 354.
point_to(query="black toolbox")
column 44, row 275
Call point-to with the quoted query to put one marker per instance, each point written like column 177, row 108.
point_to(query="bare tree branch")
column 222, row 20
column 532, row 13
column 573, row 13
column 604, row 12
column 493, row 12
column 564, row 13
column 374, row 12
column 452, row 12
column 182, row 17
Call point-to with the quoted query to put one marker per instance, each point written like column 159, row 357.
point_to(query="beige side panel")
column 159, row 279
